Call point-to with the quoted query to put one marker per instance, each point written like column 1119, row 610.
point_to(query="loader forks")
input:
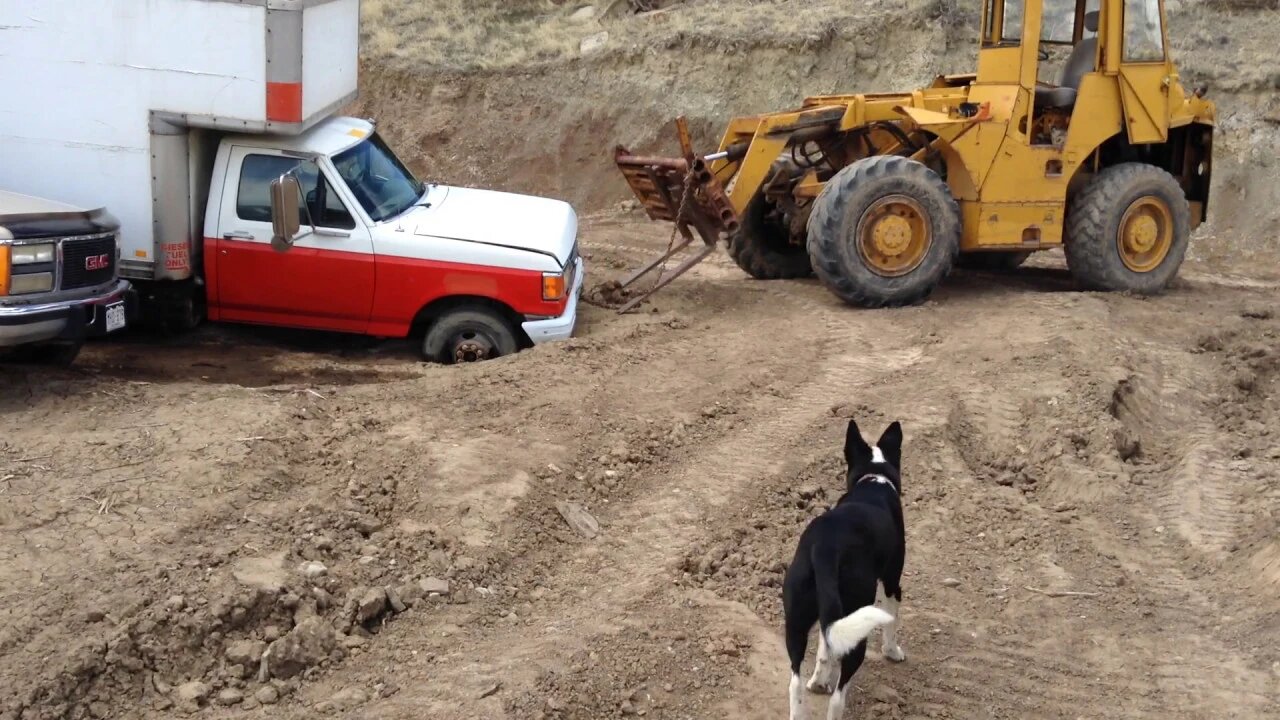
column 682, row 191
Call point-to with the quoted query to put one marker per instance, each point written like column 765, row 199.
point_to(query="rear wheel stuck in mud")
column 884, row 232
column 764, row 246
column 468, row 334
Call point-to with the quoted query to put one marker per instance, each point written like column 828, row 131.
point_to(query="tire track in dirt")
column 1193, row 502
column 1193, row 497
column 1165, row 406
column 655, row 527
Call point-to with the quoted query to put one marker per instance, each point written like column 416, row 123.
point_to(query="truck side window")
column 253, row 200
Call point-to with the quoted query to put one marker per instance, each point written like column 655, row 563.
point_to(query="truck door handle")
column 238, row 235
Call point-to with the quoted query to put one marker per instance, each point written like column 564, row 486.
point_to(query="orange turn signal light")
column 552, row 286
column 4, row 271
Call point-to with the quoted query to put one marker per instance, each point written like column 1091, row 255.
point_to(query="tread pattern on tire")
column 750, row 246
column 831, row 229
column 1093, row 222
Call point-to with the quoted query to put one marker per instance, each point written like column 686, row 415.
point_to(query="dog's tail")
column 844, row 634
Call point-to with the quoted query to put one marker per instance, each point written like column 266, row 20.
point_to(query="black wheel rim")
column 472, row 345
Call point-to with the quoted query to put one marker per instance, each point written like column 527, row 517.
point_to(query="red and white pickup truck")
column 184, row 135
column 376, row 251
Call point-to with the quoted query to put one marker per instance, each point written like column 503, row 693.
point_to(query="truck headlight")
column 31, row 254
column 30, row 283
column 553, row 286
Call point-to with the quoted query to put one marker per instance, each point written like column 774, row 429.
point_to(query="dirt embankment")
column 521, row 106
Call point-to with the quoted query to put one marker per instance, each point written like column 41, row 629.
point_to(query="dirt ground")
column 388, row 532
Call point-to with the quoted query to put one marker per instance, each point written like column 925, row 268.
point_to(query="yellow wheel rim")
column 1146, row 234
column 894, row 236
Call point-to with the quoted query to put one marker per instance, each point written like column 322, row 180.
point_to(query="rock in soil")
column 349, row 698
column 434, row 586
column 372, row 603
column 312, row 570
column 267, row 695
column 393, row 599
column 579, row 519
column 230, row 697
column 305, row 645
column 245, row 652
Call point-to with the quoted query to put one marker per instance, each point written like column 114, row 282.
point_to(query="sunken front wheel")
column 469, row 334
column 1128, row 230
column 884, row 232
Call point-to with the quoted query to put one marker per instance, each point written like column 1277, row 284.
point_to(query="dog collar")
column 877, row 479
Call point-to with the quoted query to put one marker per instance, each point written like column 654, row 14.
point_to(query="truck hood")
column 522, row 222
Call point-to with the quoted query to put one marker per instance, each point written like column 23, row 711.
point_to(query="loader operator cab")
column 1083, row 59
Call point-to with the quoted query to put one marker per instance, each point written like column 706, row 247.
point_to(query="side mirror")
column 285, row 221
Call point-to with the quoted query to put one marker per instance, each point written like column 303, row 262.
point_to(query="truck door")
column 325, row 281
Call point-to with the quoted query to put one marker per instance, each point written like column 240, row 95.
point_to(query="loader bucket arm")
column 682, row 191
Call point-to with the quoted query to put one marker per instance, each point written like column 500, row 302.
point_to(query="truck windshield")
column 383, row 186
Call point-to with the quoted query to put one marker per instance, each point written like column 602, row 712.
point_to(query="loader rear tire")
column 762, row 246
column 1128, row 230
column 884, row 232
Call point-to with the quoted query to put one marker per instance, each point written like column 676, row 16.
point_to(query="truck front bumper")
column 65, row 320
column 559, row 328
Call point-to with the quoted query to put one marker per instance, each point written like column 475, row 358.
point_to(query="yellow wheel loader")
column 880, row 195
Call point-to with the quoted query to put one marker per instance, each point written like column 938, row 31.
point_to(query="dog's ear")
column 855, row 448
column 890, row 443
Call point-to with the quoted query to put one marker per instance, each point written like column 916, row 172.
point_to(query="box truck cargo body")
column 148, row 107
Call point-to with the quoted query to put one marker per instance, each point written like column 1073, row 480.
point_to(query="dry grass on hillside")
column 459, row 34
column 466, row 35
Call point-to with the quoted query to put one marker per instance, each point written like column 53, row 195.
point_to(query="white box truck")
column 201, row 124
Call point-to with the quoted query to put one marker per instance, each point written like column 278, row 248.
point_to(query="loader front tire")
column 884, row 232
column 762, row 246
column 1128, row 230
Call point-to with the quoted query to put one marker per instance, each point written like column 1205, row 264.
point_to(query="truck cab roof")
column 328, row 137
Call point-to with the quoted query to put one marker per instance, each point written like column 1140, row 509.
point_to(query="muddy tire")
column 1128, row 230
column 762, row 245
column 468, row 334
column 996, row 261
column 884, row 232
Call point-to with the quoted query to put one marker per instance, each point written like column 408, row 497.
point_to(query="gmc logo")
column 97, row 262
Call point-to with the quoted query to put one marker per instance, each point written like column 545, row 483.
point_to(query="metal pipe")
column 642, row 161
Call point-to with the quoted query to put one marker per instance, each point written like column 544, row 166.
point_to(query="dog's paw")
column 894, row 653
column 816, row 685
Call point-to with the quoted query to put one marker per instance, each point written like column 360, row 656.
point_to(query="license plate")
column 115, row 316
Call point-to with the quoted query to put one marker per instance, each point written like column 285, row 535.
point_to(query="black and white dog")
column 841, row 557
